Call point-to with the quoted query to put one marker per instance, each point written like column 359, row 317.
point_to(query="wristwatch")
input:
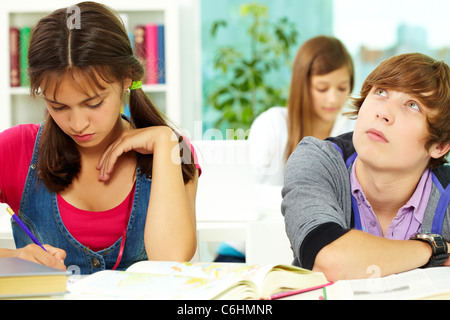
column 438, row 246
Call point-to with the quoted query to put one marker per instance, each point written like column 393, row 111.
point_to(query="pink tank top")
column 96, row 230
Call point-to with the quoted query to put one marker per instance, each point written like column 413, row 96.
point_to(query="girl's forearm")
column 170, row 229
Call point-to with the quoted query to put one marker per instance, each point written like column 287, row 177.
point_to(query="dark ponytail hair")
column 99, row 48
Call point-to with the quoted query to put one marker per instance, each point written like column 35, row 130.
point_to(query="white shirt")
column 268, row 139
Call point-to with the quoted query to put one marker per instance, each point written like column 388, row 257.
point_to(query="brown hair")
column 99, row 49
column 425, row 79
column 317, row 56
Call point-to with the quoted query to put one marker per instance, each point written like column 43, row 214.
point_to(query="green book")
column 24, row 38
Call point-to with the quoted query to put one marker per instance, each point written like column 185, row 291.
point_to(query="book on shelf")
column 139, row 43
column 19, row 39
column 151, row 51
column 24, row 40
column 149, row 44
column 22, row 278
column 161, row 55
column 197, row 281
column 417, row 284
column 14, row 59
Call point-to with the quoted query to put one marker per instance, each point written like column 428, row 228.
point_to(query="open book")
column 430, row 283
column 197, row 281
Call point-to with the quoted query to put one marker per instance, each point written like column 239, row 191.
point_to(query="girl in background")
column 322, row 80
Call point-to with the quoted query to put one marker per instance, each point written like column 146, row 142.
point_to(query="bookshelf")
column 16, row 105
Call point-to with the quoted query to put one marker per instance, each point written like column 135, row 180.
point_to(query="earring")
column 125, row 91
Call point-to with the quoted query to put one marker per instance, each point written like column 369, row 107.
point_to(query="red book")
column 14, row 57
column 151, row 50
column 139, row 44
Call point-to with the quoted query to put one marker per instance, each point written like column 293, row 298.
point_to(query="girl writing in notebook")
column 107, row 190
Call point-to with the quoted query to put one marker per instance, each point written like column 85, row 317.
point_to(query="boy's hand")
column 447, row 263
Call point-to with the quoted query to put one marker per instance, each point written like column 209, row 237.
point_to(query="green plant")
column 243, row 89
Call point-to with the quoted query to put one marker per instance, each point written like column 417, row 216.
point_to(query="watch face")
column 428, row 236
column 438, row 245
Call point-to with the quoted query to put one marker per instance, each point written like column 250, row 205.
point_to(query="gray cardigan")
column 317, row 197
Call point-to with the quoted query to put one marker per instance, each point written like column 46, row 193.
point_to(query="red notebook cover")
column 151, row 49
column 14, row 57
column 139, row 44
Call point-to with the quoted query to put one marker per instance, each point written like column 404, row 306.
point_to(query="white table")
column 265, row 239
column 6, row 237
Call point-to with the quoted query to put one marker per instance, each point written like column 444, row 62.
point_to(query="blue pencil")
column 24, row 228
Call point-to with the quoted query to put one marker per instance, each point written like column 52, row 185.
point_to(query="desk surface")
column 430, row 284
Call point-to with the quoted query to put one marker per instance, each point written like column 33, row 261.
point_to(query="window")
column 376, row 30
column 371, row 30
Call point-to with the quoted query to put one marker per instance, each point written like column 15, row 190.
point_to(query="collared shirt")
column 409, row 218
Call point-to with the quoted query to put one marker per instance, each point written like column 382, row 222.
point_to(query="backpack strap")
column 444, row 200
column 355, row 210
column 344, row 145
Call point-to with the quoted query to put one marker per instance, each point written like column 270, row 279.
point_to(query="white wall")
column 191, row 83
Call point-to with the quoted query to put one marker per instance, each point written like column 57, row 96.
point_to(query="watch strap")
column 439, row 246
column 437, row 260
column 439, row 251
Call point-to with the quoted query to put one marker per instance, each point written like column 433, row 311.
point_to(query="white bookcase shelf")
column 16, row 105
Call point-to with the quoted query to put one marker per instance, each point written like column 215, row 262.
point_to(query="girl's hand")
column 143, row 141
column 54, row 257
column 170, row 230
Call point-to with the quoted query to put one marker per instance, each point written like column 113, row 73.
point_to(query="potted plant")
column 243, row 89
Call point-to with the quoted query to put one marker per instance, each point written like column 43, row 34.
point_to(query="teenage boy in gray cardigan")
column 377, row 197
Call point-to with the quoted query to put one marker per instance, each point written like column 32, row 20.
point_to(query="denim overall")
column 40, row 213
